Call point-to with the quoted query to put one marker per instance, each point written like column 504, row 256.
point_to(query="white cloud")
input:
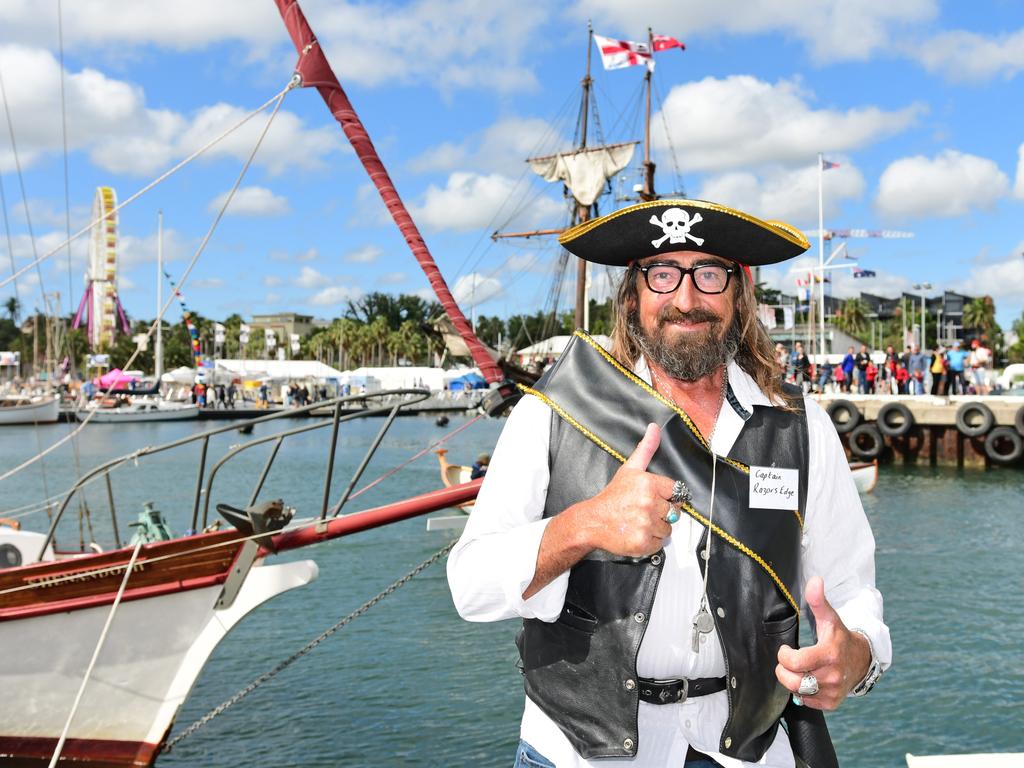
column 366, row 254
column 251, row 201
column 1018, row 185
column 833, row 30
column 950, row 184
column 335, row 294
column 741, row 121
column 392, row 278
column 272, row 298
column 310, row 254
column 962, row 56
column 474, row 201
column 133, row 251
column 500, row 148
column 180, row 25
column 785, row 195
column 207, row 282
column 122, row 135
column 844, row 284
column 272, row 281
column 474, row 289
column 1002, row 280
column 310, row 278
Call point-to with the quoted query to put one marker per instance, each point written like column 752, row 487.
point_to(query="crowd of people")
column 941, row 371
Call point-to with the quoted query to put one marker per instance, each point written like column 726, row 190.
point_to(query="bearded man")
column 661, row 516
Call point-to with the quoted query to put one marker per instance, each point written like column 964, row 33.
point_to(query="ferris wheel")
column 105, row 314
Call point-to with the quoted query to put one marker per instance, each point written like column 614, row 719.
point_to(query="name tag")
column 774, row 488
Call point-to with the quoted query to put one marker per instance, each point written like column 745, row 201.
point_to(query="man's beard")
column 689, row 356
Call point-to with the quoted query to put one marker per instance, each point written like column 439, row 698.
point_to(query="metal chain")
column 305, row 649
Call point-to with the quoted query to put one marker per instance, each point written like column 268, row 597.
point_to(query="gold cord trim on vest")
column 569, row 419
column 686, row 507
column 659, row 397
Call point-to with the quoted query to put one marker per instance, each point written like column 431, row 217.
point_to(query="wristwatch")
column 874, row 669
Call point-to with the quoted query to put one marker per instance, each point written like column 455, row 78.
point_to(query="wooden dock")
column 967, row 430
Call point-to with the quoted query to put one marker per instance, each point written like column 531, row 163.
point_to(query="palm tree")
column 379, row 331
column 13, row 307
column 980, row 315
column 854, row 317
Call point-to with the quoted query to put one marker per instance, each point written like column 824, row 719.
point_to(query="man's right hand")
column 627, row 518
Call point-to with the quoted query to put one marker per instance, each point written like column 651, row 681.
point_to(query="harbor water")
column 411, row 684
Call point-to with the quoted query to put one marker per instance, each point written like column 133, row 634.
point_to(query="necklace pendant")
column 702, row 625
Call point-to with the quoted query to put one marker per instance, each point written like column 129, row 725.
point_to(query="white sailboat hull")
column 152, row 657
column 43, row 411
column 132, row 414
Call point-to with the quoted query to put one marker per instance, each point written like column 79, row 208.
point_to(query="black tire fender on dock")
column 1004, row 445
column 844, row 414
column 866, row 442
column 1018, row 420
column 974, row 419
column 894, row 419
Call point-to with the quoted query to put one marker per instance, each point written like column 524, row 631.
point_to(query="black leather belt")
column 674, row 691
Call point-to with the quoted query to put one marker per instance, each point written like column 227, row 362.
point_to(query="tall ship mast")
column 587, row 170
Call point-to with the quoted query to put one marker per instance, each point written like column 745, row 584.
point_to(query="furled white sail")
column 584, row 171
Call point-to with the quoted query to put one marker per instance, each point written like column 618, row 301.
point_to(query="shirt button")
column 638, row 617
column 687, row 723
column 630, row 685
column 656, row 560
column 628, row 745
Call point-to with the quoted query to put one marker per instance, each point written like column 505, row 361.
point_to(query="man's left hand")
column 839, row 660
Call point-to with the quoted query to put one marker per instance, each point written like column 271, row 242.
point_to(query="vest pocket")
column 780, row 626
column 577, row 618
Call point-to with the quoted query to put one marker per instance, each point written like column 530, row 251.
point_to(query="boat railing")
column 397, row 399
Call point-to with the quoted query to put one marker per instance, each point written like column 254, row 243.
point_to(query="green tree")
column 980, row 316
column 13, row 308
column 854, row 317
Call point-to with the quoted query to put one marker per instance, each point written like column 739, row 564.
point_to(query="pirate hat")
column 662, row 226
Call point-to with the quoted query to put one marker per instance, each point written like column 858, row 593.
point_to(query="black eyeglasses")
column 709, row 278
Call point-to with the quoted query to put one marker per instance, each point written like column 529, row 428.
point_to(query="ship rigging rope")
column 306, row 648
column 278, row 99
column 302, row 524
column 160, row 179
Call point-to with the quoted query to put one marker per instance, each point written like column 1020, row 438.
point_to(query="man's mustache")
column 670, row 314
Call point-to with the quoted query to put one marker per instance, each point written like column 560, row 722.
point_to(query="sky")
column 918, row 101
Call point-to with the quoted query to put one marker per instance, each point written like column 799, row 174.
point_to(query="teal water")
column 410, row 684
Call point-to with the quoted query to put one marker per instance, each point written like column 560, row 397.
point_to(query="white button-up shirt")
column 494, row 562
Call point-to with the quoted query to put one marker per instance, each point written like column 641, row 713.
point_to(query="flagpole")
column 158, row 352
column 821, row 250
column 648, row 193
column 583, row 212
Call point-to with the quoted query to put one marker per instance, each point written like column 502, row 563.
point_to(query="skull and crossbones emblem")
column 676, row 224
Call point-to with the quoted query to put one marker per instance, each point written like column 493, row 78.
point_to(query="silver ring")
column 808, row 685
column 680, row 493
column 673, row 514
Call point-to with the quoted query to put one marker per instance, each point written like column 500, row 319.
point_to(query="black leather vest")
column 581, row 669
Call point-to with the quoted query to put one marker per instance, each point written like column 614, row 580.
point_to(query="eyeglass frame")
column 683, row 272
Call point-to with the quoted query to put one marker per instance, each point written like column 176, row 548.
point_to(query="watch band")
column 874, row 669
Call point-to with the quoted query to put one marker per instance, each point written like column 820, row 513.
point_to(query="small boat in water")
column 451, row 475
column 39, row 409
column 124, row 409
column 865, row 475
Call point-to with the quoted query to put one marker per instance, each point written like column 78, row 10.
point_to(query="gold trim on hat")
column 785, row 231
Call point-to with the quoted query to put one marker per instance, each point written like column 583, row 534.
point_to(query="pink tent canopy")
column 115, row 378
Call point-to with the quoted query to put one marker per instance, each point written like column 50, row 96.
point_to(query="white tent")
column 278, row 370
column 553, row 348
column 182, row 375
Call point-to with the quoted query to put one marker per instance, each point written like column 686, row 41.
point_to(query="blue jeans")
column 528, row 757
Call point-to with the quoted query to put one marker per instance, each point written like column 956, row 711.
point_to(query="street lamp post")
column 922, row 287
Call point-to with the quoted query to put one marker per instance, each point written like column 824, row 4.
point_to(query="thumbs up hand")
column 838, row 661
column 627, row 517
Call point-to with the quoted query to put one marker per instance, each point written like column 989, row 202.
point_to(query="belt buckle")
column 681, row 693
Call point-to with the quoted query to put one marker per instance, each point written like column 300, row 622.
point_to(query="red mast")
column 314, row 70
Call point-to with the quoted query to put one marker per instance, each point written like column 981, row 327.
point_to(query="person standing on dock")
column 863, row 359
column 956, row 384
column 661, row 516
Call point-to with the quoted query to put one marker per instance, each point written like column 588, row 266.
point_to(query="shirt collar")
column 743, row 387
